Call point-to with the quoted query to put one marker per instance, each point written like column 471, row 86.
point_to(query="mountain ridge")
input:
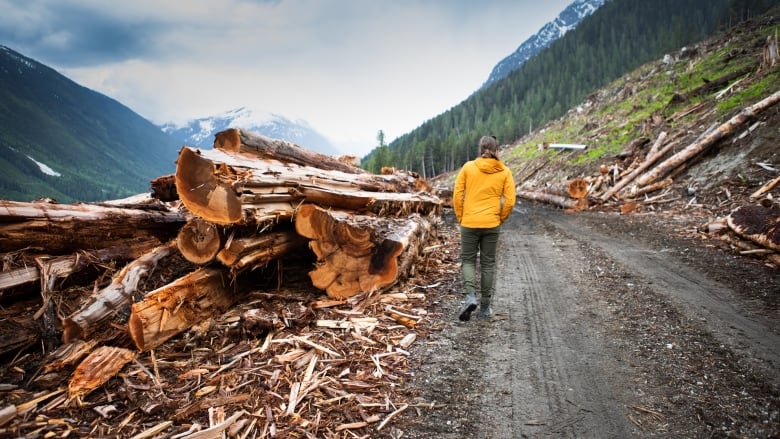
column 200, row 132
column 551, row 31
column 62, row 140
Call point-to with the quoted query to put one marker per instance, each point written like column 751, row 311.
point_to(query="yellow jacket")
column 484, row 193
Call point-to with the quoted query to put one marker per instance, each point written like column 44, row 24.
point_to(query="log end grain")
column 228, row 140
column 202, row 193
column 199, row 241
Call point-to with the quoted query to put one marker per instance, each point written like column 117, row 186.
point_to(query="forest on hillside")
column 619, row 37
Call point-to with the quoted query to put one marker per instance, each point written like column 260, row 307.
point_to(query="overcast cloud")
column 348, row 67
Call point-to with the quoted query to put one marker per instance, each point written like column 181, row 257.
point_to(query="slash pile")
column 201, row 311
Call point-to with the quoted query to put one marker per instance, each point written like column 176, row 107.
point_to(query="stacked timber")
column 182, row 258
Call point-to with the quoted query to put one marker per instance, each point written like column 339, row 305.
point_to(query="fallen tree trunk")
column 68, row 228
column 358, row 253
column 175, row 307
column 228, row 189
column 556, row 200
column 705, row 142
column 236, row 140
column 649, row 161
column 111, row 299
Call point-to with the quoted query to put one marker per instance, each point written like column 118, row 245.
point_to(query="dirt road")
column 604, row 328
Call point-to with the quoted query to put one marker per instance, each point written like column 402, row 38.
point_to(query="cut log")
column 556, row 200
column 68, row 228
column 358, row 253
column 114, row 297
column 649, row 161
column 236, row 140
column 757, row 223
column 575, row 188
column 705, row 142
column 176, row 307
column 258, row 250
column 99, row 366
column 240, row 189
column 199, row 241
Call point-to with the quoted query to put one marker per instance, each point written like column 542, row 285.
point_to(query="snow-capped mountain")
column 566, row 20
column 200, row 132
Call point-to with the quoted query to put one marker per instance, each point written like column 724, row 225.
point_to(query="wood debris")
column 645, row 179
column 212, row 325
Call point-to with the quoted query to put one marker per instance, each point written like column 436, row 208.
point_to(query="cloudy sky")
column 347, row 67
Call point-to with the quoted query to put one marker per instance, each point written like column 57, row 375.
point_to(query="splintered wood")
column 191, row 315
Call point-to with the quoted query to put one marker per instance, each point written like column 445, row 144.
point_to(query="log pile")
column 628, row 187
column 194, row 299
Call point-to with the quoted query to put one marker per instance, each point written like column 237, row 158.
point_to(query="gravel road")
column 603, row 327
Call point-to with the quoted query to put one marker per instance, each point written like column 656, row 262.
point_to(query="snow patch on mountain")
column 566, row 21
column 200, row 132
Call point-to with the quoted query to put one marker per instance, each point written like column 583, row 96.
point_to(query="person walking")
column 483, row 197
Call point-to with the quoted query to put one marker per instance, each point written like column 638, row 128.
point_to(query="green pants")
column 482, row 242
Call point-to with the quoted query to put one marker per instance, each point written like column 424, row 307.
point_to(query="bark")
column 707, row 141
column 238, row 189
column 258, row 321
column 556, row 200
column 18, row 329
column 358, row 253
column 258, row 250
column 757, row 223
column 68, row 228
column 235, row 141
column 114, row 297
column 176, row 307
column 164, row 188
column 199, row 241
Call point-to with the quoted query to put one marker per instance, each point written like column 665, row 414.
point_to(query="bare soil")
column 605, row 326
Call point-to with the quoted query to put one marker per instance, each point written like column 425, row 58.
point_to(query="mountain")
column 200, row 132
column 617, row 38
column 61, row 140
column 566, row 20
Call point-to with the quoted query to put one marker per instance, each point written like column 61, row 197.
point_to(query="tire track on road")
column 540, row 342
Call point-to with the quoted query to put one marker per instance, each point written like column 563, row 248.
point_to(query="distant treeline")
column 618, row 38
